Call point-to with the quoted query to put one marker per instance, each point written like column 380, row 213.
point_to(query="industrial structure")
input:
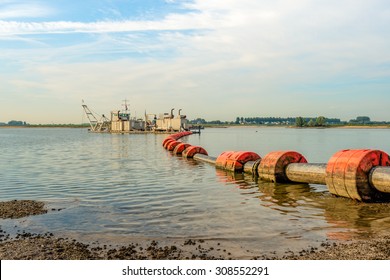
column 121, row 121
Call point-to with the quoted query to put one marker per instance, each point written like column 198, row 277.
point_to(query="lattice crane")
column 97, row 125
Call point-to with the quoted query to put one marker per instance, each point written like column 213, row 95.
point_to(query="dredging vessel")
column 121, row 121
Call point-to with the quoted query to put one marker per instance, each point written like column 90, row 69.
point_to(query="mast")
column 126, row 106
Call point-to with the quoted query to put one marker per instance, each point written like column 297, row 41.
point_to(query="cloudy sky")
column 212, row 59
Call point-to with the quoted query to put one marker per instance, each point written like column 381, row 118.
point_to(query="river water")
column 120, row 187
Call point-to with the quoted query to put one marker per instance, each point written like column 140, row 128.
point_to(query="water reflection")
column 344, row 218
column 351, row 219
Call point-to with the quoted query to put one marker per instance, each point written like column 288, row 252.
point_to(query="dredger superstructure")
column 121, row 121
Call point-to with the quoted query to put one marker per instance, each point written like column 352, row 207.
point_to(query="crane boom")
column 100, row 125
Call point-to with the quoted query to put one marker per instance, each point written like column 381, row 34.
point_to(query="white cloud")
column 244, row 57
column 171, row 22
column 15, row 10
column 18, row 28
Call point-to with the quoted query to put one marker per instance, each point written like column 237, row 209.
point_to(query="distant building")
column 16, row 123
column 361, row 120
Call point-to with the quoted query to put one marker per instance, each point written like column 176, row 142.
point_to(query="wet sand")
column 21, row 208
column 28, row 246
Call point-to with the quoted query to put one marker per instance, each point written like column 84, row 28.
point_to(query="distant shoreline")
column 385, row 126
column 305, row 127
column 364, row 126
column 43, row 126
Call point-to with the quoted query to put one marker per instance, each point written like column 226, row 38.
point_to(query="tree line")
column 298, row 121
column 318, row 122
column 14, row 123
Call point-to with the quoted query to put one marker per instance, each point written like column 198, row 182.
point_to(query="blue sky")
column 212, row 59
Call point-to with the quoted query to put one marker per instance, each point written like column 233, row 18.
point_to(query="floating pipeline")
column 362, row 175
column 235, row 161
column 172, row 145
column 180, row 148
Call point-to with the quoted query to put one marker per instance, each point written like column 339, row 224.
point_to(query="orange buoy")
column 272, row 166
column 178, row 135
column 220, row 162
column 235, row 160
column 167, row 139
column 168, row 142
column 184, row 133
column 171, row 145
column 178, row 150
column 347, row 173
column 189, row 152
column 174, row 136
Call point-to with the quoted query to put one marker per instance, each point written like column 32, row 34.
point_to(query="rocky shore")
column 21, row 208
column 26, row 246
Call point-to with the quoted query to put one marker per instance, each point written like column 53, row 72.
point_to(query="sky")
column 216, row 60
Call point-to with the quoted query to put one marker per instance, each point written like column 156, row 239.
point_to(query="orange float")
column 167, row 139
column 235, row 160
column 272, row 166
column 220, row 162
column 171, row 145
column 189, row 152
column 347, row 173
column 168, row 142
column 178, row 150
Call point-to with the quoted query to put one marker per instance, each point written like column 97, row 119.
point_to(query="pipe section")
column 379, row 178
column 205, row 158
column 311, row 173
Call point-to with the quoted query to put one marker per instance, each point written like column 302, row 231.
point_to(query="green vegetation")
column 265, row 120
column 200, row 121
column 361, row 120
column 300, row 122
column 318, row 122
column 14, row 123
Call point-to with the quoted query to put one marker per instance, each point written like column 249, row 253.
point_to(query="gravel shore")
column 26, row 246
column 21, row 208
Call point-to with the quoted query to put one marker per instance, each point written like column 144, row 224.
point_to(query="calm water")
column 118, row 187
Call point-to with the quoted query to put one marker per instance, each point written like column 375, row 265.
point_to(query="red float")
column 167, row 139
column 189, row 152
column 172, row 145
column 272, row 166
column 235, row 160
column 168, row 142
column 180, row 148
column 347, row 173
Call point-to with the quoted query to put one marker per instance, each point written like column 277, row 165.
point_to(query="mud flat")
column 377, row 248
column 29, row 246
column 21, row 208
